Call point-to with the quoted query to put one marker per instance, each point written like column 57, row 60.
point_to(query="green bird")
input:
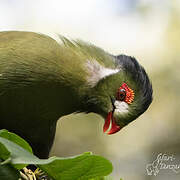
column 42, row 80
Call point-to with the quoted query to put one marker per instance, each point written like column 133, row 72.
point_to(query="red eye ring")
column 125, row 94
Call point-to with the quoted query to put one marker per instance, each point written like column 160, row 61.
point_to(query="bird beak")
column 110, row 121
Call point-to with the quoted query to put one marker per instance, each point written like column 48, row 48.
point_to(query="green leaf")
column 108, row 178
column 103, row 178
column 4, row 153
column 81, row 167
column 16, row 139
column 7, row 172
column 19, row 156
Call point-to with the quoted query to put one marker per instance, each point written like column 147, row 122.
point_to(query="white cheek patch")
column 97, row 72
column 121, row 107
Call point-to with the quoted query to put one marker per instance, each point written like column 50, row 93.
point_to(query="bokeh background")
column 146, row 29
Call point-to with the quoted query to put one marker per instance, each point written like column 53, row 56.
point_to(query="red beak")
column 110, row 121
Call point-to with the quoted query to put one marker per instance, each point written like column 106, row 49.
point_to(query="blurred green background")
column 146, row 29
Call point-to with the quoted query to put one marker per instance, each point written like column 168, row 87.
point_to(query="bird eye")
column 125, row 94
column 121, row 94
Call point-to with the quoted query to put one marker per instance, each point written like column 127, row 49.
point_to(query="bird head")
column 117, row 87
column 122, row 94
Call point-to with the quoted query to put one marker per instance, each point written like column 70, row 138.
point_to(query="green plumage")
column 42, row 80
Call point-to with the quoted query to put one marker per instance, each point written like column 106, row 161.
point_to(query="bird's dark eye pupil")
column 121, row 95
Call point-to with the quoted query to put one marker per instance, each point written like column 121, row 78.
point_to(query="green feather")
column 42, row 80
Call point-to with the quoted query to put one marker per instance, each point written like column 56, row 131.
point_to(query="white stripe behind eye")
column 97, row 72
